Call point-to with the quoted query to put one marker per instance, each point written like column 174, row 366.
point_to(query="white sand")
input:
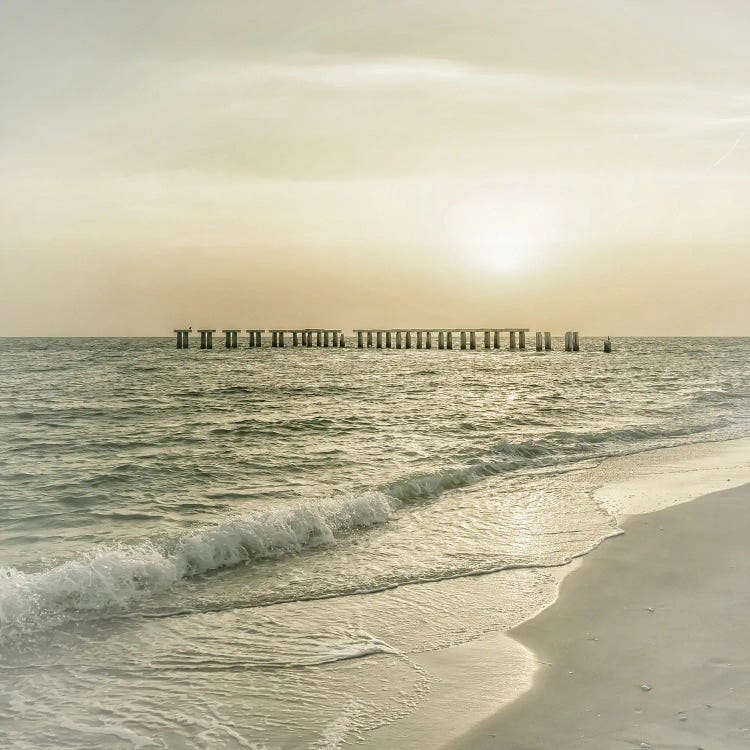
column 648, row 644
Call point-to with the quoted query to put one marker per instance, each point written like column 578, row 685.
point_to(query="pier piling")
column 472, row 339
column 182, row 337
column 207, row 337
column 539, row 341
column 230, row 337
column 548, row 341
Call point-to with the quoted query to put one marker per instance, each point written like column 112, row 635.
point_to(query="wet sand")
column 648, row 644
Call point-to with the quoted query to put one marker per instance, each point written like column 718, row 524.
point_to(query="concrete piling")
column 463, row 339
column 207, row 337
column 388, row 339
column 336, row 339
column 449, row 340
column 419, row 339
column 360, row 340
column 441, row 340
column 487, row 339
column 608, row 346
column 428, row 340
column 568, row 341
column 342, row 343
column 380, row 339
column 576, row 343
column 539, row 341
column 472, row 339
column 398, row 339
column 369, row 339
column 522, row 339
column 512, row 340
column 548, row 341
column 182, row 337
column 230, row 337
column 497, row 339
column 408, row 340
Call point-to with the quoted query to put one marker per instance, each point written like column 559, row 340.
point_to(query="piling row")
column 384, row 338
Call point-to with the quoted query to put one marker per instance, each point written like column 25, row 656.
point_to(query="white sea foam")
column 115, row 576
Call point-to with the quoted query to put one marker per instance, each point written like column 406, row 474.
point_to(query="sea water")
column 260, row 548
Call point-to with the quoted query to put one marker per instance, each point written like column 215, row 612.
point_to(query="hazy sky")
column 580, row 164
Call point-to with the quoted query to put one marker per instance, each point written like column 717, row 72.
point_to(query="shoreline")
column 646, row 644
column 486, row 676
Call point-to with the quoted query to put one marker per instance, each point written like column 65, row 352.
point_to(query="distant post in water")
column 449, row 340
column 295, row 338
column 576, row 345
column 408, row 339
column 319, row 338
column 487, row 340
column 608, row 346
column 441, row 340
column 568, row 341
column 281, row 339
column 548, row 341
column 522, row 339
column 182, row 337
column 419, row 339
column 428, row 340
column 360, row 340
column 380, row 339
column 398, row 339
column 369, row 339
column 335, row 339
column 463, row 339
column 207, row 337
column 497, row 339
column 473, row 339
column 539, row 341
column 512, row 339
column 230, row 337
column 388, row 339
column 342, row 343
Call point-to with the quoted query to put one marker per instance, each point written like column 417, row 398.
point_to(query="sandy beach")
column 647, row 645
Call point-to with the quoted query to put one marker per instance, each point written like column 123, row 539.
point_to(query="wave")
column 114, row 577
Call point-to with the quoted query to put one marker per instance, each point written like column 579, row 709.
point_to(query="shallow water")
column 191, row 542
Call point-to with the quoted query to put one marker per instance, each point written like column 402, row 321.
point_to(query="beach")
column 647, row 645
column 308, row 548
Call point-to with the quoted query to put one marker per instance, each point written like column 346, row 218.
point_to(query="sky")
column 375, row 163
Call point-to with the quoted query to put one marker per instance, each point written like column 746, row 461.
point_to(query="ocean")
column 255, row 548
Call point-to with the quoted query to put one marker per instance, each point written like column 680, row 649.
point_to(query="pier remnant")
column 230, row 337
column 539, row 341
column 182, row 337
column 608, row 346
column 207, row 337
column 547, row 341
column 576, row 345
column 512, row 340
